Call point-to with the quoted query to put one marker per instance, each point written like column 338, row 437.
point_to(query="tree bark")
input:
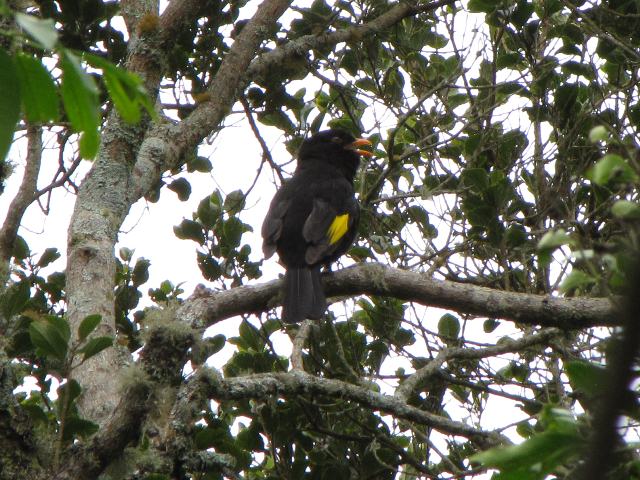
column 22, row 200
column 114, row 184
column 296, row 383
column 206, row 309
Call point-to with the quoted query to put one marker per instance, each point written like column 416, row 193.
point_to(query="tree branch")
column 422, row 375
column 166, row 144
column 297, row 362
column 179, row 14
column 306, row 43
column 377, row 279
column 296, row 383
column 102, row 204
column 22, row 200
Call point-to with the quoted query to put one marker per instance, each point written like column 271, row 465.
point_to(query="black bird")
column 312, row 219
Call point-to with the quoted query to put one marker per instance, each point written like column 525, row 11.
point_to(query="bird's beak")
column 360, row 142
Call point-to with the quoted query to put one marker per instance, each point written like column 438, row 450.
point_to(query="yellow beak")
column 360, row 142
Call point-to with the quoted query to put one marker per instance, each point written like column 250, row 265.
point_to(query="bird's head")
column 337, row 147
column 334, row 141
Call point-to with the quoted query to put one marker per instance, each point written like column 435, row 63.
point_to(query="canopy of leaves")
column 506, row 137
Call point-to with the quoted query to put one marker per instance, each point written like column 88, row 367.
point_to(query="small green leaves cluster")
column 42, row 340
column 254, row 350
column 542, row 453
column 216, row 226
column 50, row 336
column 381, row 318
column 601, row 268
column 130, row 276
column 557, row 438
column 30, row 90
column 51, row 339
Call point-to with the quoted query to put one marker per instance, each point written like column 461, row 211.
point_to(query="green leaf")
column 490, row 324
column 533, row 458
column 476, row 179
column 249, row 439
column 126, row 89
column 49, row 338
column 209, row 266
column 234, row 202
column 50, row 255
column 140, row 273
column 215, row 344
column 579, row 69
column 95, row 345
column 525, row 429
column 277, row 118
column 482, row 6
column 207, row 438
column 342, row 123
column 88, row 325
column 251, row 335
column 598, row 134
column 126, row 254
column 609, row 167
column 515, row 236
column 626, row 210
column 208, row 212
column 577, row 279
column 182, row 187
column 586, row 376
column 435, row 40
column 39, row 93
column 41, row 30
column 124, row 102
column 509, row 60
column 36, row 413
column 9, row 102
column 67, row 393
column 449, row 326
column 199, row 164
column 166, row 286
column 20, row 247
column 553, row 239
column 233, row 229
column 76, row 426
column 80, row 97
column 479, row 214
column 189, row 230
column 15, row 299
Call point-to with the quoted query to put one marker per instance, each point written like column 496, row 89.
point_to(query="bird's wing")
column 325, row 227
column 272, row 225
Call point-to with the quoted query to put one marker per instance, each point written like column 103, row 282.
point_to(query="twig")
column 298, row 345
column 266, row 153
column 422, row 375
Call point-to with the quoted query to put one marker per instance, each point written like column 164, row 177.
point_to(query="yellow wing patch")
column 338, row 228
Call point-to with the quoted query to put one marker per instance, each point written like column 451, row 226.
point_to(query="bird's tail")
column 303, row 295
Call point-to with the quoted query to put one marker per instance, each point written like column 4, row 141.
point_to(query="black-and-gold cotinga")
column 313, row 219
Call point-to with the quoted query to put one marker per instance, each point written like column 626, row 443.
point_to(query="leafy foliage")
column 25, row 80
column 506, row 156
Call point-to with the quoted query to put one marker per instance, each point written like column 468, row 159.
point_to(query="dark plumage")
column 313, row 219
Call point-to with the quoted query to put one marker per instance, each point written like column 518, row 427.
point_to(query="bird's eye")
column 336, row 140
